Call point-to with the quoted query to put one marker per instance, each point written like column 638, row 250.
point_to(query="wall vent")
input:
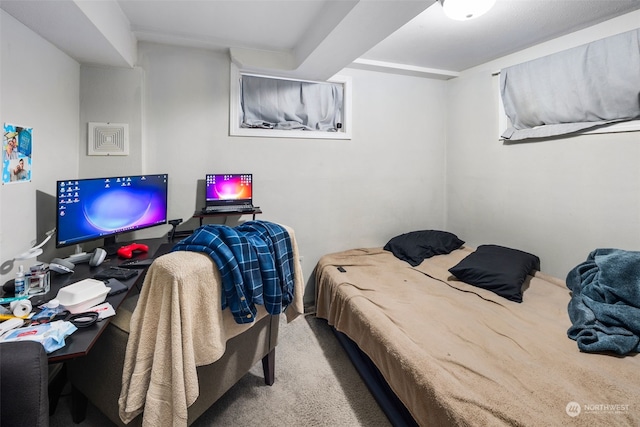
column 108, row 139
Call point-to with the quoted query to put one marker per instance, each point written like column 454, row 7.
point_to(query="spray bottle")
column 20, row 284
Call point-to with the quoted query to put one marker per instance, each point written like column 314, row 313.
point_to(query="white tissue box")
column 82, row 295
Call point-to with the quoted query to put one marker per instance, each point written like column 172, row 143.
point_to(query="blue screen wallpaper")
column 89, row 209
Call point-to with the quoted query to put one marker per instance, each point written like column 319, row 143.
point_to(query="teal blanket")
column 605, row 302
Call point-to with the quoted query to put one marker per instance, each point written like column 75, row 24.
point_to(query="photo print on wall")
column 17, row 144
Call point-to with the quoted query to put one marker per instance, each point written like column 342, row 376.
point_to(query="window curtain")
column 578, row 89
column 289, row 104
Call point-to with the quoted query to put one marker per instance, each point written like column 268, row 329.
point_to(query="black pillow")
column 498, row 269
column 416, row 246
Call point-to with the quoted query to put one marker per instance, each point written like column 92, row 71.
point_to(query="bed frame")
column 392, row 407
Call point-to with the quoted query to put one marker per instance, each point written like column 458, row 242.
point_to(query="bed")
column 459, row 354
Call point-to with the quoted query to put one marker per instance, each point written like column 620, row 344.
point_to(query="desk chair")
column 24, row 381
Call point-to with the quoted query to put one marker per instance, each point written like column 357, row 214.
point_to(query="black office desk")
column 81, row 341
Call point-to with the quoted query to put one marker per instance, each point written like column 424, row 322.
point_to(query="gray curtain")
column 578, row 89
column 289, row 104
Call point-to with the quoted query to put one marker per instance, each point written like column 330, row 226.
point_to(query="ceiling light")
column 463, row 10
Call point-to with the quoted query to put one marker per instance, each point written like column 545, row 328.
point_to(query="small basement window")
column 265, row 106
column 586, row 89
column 504, row 123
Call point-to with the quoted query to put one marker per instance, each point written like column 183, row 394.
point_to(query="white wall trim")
column 404, row 69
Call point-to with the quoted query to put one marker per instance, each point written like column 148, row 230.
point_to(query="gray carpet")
column 316, row 385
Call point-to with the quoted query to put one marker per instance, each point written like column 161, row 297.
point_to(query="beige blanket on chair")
column 178, row 325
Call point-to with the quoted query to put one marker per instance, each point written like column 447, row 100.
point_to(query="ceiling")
column 311, row 39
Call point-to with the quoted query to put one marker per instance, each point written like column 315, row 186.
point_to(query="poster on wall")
column 17, row 144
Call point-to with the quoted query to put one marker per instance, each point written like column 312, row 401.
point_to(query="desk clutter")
column 35, row 281
column 78, row 305
column 63, row 310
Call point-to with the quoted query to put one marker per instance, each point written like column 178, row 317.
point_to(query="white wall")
column 559, row 198
column 336, row 194
column 111, row 95
column 39, row 89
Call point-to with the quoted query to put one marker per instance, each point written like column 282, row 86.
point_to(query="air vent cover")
column 108, row 139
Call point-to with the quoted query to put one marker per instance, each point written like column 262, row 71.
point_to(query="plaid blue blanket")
column 255, row 260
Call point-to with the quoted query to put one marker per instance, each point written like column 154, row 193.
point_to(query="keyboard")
column 115, row 273
column 137, row 263
column 228, row 208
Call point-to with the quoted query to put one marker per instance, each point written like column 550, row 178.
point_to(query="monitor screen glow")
column 90, row 209
column 229, row 187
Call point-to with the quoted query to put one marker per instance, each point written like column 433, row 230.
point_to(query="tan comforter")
column 178, row 324
column 459, row 355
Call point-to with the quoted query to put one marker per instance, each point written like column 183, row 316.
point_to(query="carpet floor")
column 316, row 385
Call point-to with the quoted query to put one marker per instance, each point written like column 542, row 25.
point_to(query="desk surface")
column 80, row 342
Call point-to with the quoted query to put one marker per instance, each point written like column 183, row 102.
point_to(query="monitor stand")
column 78, row 255
column 110, row 245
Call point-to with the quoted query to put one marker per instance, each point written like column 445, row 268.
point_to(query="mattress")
column 455, row 354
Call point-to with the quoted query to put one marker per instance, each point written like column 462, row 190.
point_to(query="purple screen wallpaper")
column 228, row 187
column 89, row 209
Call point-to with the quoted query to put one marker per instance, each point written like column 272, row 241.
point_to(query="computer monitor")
column 229, row 189
column 102, row 208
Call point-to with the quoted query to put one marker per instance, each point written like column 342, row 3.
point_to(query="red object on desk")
column 127, row 251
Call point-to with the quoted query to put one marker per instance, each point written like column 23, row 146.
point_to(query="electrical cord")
column 36, row 250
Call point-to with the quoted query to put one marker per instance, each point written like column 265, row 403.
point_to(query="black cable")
column 82, row 320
